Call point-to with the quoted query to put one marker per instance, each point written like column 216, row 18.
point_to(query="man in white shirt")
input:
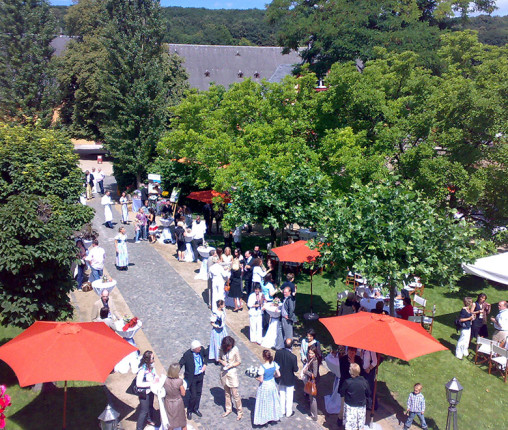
column 100, row 180
column 501, row 323
column 95, row 259
column 198, row 233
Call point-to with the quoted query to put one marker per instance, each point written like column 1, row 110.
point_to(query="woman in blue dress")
column 122, row 257
column 268, row 406
column 219, row 331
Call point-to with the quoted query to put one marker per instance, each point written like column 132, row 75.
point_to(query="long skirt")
column 268, row 406
column 125, row 213
column 354, row 417
column 215, row 340
column 122, row 259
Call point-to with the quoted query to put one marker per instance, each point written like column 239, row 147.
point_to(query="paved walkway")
column 173, row 315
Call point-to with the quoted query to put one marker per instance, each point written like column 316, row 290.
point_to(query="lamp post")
column 453, row 395
column 109, row 418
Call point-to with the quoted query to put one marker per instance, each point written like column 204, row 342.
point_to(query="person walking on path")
column 141, row 221
column 89, row 178
column 288, row 364
column 287, row 318
column 195, row 362
column 173, row 401
column 230, row 360
column 100, row 180
column 501, row 323
column 219, row 330
column 311, row 373
column 95, row 258
column 125, row 210
column 145, row 378
column 108, row 214
column 268, row 406
column 415, row 406
column 122, row 256
column 255, row 304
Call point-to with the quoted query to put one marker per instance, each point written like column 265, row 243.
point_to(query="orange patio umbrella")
column 64, row 351
column 299, row 252
column 206, row 196
column 383, row 334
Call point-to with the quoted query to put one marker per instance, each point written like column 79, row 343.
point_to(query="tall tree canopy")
column 40, row 185
column 327, row 31
column 27, row 86
column 119, row 80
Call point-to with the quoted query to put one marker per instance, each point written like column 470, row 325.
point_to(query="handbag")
column 310, row 387
column 135, row 391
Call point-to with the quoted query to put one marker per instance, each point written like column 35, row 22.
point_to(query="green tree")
column 27, row 86
column 139, row 80
column 39, row 211
column 387, row 232
column 327, row 31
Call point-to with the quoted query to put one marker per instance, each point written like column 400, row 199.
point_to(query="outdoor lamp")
column 453, row 395
column 109, row 418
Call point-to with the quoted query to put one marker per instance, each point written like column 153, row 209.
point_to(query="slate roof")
column 226, row 65
column 223, row 65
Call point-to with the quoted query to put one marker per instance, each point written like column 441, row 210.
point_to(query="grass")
column 483, row 394
column 43, row 411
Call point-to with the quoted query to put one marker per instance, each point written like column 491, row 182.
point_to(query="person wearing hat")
column 195, row 362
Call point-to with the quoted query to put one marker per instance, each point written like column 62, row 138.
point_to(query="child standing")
column 415, row 406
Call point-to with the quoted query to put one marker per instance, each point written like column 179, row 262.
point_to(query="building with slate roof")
column 223, row 65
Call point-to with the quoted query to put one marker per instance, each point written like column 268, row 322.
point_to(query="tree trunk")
column 392, row 299
column 138, row 180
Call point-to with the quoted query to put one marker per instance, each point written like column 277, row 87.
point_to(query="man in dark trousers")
column 247, row 272
column 288, row 367
column 194, row 360
column 287, row 319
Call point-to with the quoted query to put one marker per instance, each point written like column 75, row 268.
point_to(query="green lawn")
column 31, row 410
column 484, row 395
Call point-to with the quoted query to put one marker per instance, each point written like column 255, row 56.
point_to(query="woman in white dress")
column 218, row 276
column 258, row 272
column 227, row 257
column 270, row 337
column 189, row 254
column 268, row 406
column 108, row 214
column 125, row 211
column 122, row 257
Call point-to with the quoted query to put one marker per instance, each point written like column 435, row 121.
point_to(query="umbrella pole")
column 311, row 316
column 65, row 405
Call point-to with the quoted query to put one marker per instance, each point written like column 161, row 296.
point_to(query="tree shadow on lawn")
column 319, row 306
column 45, row 412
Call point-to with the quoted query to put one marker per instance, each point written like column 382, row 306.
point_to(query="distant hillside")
column 208, row 27
column 492, row 30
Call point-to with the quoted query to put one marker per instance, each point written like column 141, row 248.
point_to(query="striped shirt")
column 416, row 402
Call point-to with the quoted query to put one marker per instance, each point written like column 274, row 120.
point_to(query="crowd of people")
column 472, row 323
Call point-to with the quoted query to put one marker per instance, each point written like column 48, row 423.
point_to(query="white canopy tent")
column 494, row 268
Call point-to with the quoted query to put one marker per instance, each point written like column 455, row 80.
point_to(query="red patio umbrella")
column 206, row 196
column 64, row 351
column 299, row 252
column 382, row 334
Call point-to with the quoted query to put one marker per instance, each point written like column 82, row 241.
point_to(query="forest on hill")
column 249, row 27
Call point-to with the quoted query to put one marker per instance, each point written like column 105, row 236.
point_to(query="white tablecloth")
column 270, row 337
column 129, row 333
column 204, row 252
column 99, row 286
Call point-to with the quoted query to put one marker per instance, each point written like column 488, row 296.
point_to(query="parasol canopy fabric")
column 297, row 252
column 207, row 196
column 383, row 334
column 494, row 268
column 64, row 351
